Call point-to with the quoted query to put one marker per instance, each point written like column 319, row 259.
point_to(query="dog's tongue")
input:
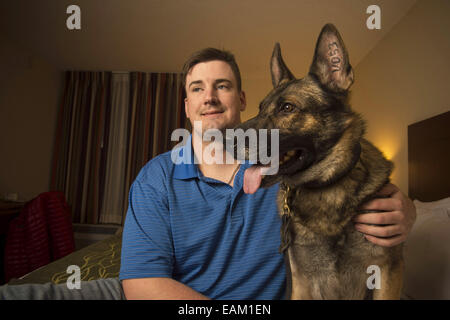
column 252, row 179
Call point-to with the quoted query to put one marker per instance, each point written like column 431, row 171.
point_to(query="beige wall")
column 405, row 79
column 29, row 93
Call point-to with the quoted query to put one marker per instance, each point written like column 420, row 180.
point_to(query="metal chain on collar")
column 286, row 220
column 286, row 209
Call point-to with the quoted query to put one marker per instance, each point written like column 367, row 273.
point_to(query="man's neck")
column 212, row 159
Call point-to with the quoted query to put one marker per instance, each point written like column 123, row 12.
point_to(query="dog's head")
column 310, row 113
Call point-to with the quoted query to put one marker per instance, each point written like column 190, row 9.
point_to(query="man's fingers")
column 381, row 218
column 389, row 204
column 389, row 242
column 390, row 226
column 380, row 231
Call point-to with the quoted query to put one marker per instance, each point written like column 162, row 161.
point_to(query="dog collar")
column 286, row 216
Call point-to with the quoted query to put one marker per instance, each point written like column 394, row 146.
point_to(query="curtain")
column 114, row 195
column 109, row 126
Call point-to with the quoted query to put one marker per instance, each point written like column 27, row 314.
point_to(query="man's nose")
column 211, row 96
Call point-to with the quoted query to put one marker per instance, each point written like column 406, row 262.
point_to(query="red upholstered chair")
column 40, row 234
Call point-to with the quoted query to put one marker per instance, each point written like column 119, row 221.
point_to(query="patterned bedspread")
column 98, row 261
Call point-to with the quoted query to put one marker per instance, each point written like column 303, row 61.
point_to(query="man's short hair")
column 210, row 54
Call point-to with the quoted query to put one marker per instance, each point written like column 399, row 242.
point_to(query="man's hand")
column 391, row 227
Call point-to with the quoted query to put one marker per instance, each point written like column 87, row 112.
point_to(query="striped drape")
column 94, row 145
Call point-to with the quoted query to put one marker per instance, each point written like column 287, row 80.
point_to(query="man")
column 192, row 233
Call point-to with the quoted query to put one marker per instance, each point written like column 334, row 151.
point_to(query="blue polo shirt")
column 202, row 232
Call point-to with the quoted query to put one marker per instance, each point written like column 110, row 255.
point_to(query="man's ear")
column 186, row 107
column 331, row 63
column 280, row 73
column 243, row 100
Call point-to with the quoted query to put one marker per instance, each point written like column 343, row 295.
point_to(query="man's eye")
column 222, row 86
column 287, row 107
column 196, row 89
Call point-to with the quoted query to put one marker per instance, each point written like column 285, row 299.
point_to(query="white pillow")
column 425, row 207
column 427, row 253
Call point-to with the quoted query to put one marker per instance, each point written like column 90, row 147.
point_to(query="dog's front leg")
column 391, row 282
column 300, row 288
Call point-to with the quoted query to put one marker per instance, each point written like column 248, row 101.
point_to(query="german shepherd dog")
column 327, row 170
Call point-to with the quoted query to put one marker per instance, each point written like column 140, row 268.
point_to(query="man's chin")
column 214, row 124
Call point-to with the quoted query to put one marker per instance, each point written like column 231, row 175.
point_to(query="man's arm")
column 159, row 289
column 147, row 248
column 391, row 227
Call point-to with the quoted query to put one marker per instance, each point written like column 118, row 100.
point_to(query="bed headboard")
column 429, row 158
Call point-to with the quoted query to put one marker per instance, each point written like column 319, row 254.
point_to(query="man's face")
column 212, row 96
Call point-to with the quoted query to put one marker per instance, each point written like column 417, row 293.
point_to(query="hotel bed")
column 97, row 261
column 427, row 250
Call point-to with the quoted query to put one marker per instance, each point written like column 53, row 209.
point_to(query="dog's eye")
column 287, row 107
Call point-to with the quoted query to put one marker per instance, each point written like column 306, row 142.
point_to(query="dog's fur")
column 333, row 171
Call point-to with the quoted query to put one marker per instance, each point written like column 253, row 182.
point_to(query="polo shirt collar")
column 186, row 169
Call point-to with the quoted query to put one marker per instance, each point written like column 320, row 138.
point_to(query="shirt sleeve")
column 147, row 247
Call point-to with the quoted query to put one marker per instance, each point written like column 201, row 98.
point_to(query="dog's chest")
column 331, row 252
column 336, row 267
column 326, row 249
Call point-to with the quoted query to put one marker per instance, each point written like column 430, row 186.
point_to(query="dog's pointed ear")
column 280, row 73
column 331, row 63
